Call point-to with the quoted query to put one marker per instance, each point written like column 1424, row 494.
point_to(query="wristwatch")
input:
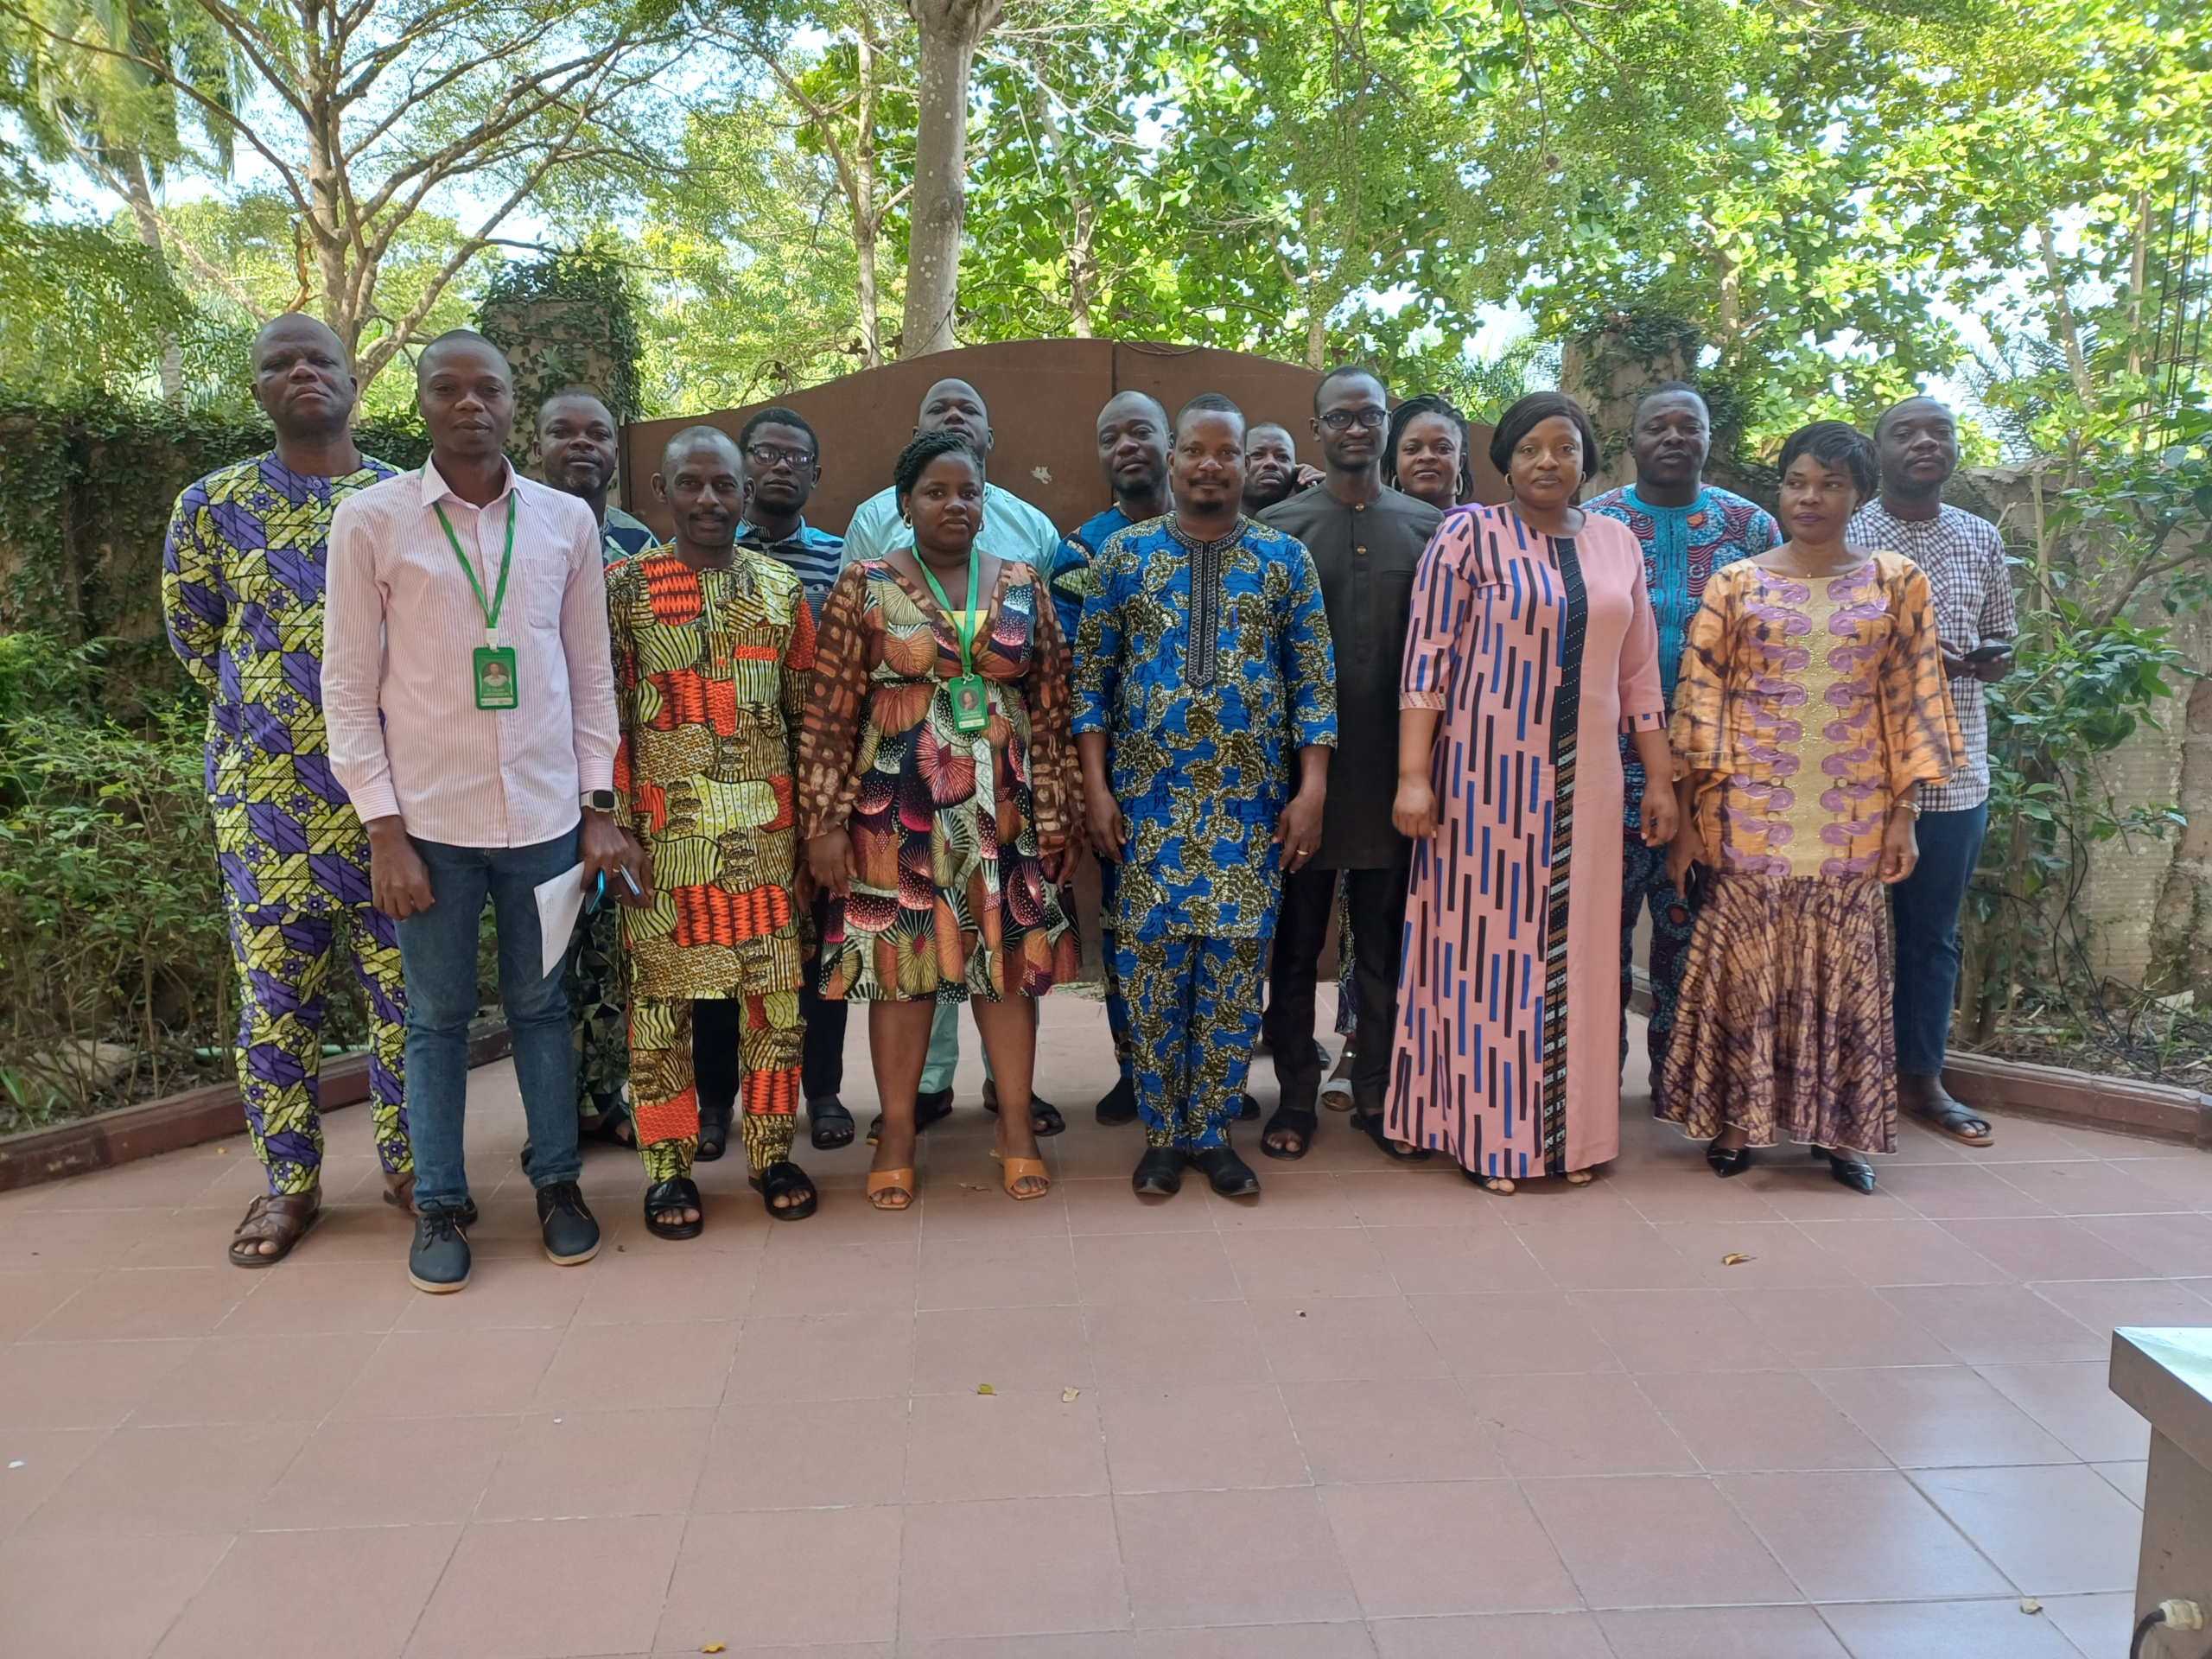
column 598, row 800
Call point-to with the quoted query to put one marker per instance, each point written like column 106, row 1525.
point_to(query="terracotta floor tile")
column 2180, row 1245
column 2053, row 1531
column 513, row 1590
column 198, row 1479
column 1346, row 1639
column 1232, row 1558
column 641, row 1462
column 364, row 1472
column 1414, row 1428
column 2180, row 1177
column 451, row 1374
column 1493, row 1635
column 81, row 1384
column 953, row 1577
column 1722, row 1633
column 1289, row 1198
column 1667, row 1195
column 1337, row 1337
column 1959, row 1191
column 504, row 1290
column 1010, row 1443
column 1487, row 1335
column 2105, row 1304
column 1800, row 1187
column 1748, row 1421
column 1007, row 1347
column 2090, row 1187
column 299, row 1296
column 1860, row 1537
column 1779, row 1256
column 1380, row 1199
column 147, row 1302
column 822, row 1357
column 608, row 1367
column 2098, row 1625
column 1153, row 1268
column 2018, row 1140
column 34, row 1461
column 1938, row 1416
column 1676, row 1331
column 369, row 1586
column 796, row 1576
column 1838, row 1327
column 1996, row 1325
column 2075, row 1403
column 1631, row 1255
column 62, row 1598
column 641, row 1287
column 997, row 1271
column 1086, row 1645
column 1912, row 1251
column 1104, row 1204
column 26, row 1299
column 1595, row 1425
column 2126, row 1478
column 877, row 1278
column 2046, row 1247
column 1200, row 1436
column 258, row 1379
column 1956, row 1630
column 1655, row 1541
column 1388, row 1533
column 1308, row 1262
column 1174, row 1343
column 1440, row 1260
column 32, row 1240
column 804, row 1454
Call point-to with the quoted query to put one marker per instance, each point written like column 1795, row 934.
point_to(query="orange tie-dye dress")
column 1805, row 709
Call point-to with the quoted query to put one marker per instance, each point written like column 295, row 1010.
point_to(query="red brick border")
column 129, row 1132
column 2156, row 1111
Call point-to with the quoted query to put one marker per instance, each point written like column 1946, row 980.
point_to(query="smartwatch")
column 598, row 800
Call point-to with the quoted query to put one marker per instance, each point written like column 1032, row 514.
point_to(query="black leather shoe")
column 1231, row 1176
column 1726, row 1162
column 1248, row 1109
column 1853, row 1173
column 1160, row 1172
column 1118, row 1104
column 438, row 1261
column 570, row 1233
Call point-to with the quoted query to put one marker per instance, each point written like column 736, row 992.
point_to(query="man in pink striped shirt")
column 470, row 699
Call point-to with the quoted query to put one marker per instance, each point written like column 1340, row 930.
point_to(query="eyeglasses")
column 1373, row 419
column 767, row 454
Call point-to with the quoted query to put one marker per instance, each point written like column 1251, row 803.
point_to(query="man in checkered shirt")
column 1918, row 443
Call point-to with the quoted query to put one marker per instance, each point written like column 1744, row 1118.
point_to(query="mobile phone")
column 1987, row 654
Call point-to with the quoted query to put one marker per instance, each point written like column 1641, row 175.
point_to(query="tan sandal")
column 278, row 1218
column 882, row 1182
column 1022, row 1169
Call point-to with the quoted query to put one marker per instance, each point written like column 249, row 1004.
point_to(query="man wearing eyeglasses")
column 1366, row 541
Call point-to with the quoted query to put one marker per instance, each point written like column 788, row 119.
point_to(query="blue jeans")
column 437, row 951
column 1924, row 921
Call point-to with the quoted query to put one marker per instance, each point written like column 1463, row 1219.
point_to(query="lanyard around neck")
column 490, row 608
column 975, row 566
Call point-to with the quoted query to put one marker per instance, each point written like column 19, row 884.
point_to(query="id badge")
column 498, row 685
column 971, row 708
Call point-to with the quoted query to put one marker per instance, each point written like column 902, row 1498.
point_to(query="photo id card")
column 971, row 708
column 498, row 686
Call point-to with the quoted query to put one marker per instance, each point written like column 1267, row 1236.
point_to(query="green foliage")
column 82, row 311
column 566, row 320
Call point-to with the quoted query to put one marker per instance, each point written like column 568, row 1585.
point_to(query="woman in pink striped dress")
column 1531, row 647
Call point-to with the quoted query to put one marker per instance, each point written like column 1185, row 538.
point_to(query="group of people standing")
column 793, row 772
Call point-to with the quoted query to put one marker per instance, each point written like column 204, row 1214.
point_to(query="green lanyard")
column 492, row 607
column 971, row 711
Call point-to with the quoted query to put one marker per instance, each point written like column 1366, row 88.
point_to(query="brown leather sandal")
column 282, row 1219
column 882, row 1184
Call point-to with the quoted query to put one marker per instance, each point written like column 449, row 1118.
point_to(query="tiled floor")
column 1376, row 1413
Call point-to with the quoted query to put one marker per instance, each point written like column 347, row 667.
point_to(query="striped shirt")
column 1963, row 558
column 814, row 557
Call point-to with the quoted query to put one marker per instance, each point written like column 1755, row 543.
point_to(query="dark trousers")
column 715, row 1024
column 1924, row 923
column 1644, row 882
column 1377, row 902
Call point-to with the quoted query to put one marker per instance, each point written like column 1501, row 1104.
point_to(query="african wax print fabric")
column 948, row 827
column 623, row 537
column 710, row 675
column 1206, row 664
column 1537, row 652
column 1805, row 707
column 1194, row 1012
column 1070, row 578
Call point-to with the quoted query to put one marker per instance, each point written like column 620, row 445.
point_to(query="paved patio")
column 1376, row 1413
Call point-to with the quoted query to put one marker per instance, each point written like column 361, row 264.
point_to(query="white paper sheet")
column 559, row 902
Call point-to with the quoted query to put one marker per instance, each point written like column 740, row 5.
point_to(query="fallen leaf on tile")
column 1735, row 1261
column 1067, row 1395
column 985, row 1388
column 1301, row 1313
column 712, row 1647
column 2029, row 1605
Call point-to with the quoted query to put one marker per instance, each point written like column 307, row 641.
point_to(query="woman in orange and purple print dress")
column 1810, row 709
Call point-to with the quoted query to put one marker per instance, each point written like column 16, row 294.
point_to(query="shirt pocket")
column 544, row 583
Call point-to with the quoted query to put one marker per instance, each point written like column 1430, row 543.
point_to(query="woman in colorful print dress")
column 935, row 787
column 1531, row 649
column 1810, row 709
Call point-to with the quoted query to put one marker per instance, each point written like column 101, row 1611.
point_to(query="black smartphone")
column 1695, row 880
column 1981, row 654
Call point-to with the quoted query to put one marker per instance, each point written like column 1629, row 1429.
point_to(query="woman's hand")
column 830, row 856
column 1684, row 850
column 1661, row 815
column 1900, row 847
column 1109, row 831
column 1413, row 812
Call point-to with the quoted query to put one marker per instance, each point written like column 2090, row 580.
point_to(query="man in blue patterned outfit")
column 242, row 593
column 1688, row 530
column 1203, row 658
column 1133, row 453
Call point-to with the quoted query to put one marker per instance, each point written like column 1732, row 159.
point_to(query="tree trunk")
column 2069, row 333
column 867, row 220
column 1317, row 310
column 1082, row 271
column 141, row 197
column 2181, row 924
column 949, row 30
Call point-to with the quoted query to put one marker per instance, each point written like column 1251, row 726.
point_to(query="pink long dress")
column 1538, row 652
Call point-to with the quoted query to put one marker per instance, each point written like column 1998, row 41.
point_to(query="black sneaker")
column 438, row 1262
column 571, row 1235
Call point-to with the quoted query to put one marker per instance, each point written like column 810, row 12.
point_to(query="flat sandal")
column 882, row 1182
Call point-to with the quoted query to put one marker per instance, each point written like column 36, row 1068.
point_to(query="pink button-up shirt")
column 401, row 625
